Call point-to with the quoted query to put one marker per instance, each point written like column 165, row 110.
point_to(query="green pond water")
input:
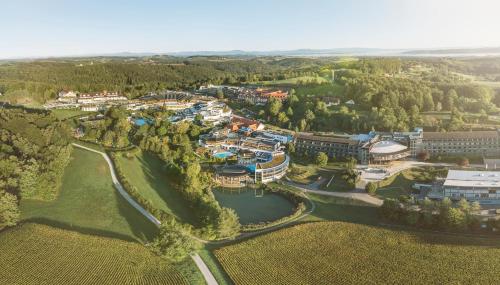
column 252, row 209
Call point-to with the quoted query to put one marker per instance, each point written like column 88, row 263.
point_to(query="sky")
column 34, row 28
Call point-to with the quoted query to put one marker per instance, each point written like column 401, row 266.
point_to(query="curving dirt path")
column 209, row 277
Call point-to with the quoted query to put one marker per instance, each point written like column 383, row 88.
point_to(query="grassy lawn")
column 63, row 114
column 215, row 267
column 333, row 89
column 330, row 208
column 39, row 254
column 346, row 253
column 396, row 185
column 401, row 183
column 295, row 80
column 304, row 174
column 337, row 184
column 145, row 171
column 89, row 203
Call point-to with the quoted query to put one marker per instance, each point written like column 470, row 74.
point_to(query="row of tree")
column 441, row 215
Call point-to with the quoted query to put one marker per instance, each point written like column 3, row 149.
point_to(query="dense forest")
column 38, row 81
column 387, row 95
column 34, row 150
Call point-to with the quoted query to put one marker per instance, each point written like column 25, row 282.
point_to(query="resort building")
column 383, row 147
column 334, row 146
column 386, row 151
column 491, row 164
column 259, row 96
column 67, row 97
column 281, row 137
column 232, row 176
column 481, row 143
column 482, row 186
column 272, row 170
column 102, row 97
column 238, row 123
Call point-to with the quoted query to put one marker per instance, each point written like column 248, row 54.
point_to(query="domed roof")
column 387, row 147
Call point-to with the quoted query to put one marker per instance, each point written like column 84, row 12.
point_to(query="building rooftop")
column 327, row 139
column 467, row 178
column 277, row 160
column 232, row 170
column 387, row 147
column 460, row 135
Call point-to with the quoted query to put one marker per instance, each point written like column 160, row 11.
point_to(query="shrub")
column 371, row 188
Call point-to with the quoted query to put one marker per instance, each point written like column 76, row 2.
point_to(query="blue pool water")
column 225, row 154
column 141, row 122
column 251, row 168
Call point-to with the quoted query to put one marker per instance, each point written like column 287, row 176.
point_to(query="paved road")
column 313, row 188
column 209, row 278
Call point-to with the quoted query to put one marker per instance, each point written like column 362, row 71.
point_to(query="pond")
column 254, row 209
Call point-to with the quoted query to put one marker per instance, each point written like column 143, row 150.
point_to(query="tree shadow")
column 447, row 238
column 156, row 177
column 80, row 229
column 141, row 227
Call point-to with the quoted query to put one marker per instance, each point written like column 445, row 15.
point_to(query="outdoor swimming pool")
column 224, row 154
column 141, row 121
column 252, row 209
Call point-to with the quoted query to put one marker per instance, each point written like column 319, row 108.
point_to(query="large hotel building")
column 377, row 147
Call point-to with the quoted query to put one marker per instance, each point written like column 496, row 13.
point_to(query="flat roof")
column 460, row 135
column 332, row 139
column 387, row 147
column 468, row 178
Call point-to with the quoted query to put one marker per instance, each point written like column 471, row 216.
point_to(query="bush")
column 371, row 188
column 321, row 159
column 174, row 242
column 9, row 211
column 463, row 161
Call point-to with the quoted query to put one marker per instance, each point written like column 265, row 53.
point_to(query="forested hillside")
column 34, row 150
column 388, row 95
column 37, row 81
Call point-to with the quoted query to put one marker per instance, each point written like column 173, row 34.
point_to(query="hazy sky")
column 70, row 27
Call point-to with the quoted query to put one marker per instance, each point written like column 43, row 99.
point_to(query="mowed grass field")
column 64, row 114
column 89, row 203
column 295, row 80
column 39, row 254
column 146, row 172
column 344, row 253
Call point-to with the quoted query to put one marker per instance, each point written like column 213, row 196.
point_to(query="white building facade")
column 479, row 186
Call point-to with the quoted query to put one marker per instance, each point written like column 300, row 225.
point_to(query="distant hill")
column 456, row 51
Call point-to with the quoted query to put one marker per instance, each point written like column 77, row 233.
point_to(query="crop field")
column 343, row 253
column 38, row 254
column 89, row 203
